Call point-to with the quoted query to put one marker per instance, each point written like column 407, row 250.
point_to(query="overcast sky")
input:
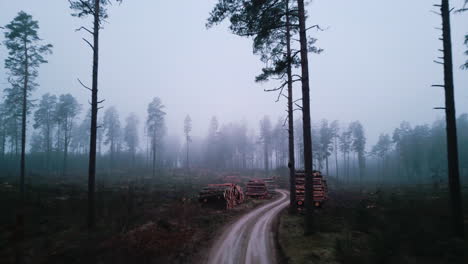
column 377, row 65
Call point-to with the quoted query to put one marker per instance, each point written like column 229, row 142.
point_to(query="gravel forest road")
column 250, row 239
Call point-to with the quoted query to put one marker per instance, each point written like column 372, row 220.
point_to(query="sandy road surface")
column 250, row 239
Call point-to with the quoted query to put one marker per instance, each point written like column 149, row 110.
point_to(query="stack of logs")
column 226, row 195
column 320, row 188
column 270, row 184
column 257, row 189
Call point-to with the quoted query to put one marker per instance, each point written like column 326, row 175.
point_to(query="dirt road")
column 250, row 239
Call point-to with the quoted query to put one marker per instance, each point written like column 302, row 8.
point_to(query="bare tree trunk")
column 266, row 157
column 362, row 167
column 326, row 163
column 309, row 217
column 452, row 148
column 48, row 146
column 291, row 163
column 65, row 154
column 347, row 168
column 23, row 125
column 188, row 166
column 20, row 214
column 336, row 158
column 94, row 112
column 154, row 157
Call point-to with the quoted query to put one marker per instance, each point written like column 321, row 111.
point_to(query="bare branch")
column 438, row 85
column 439, row 108
column 317, row 27
column 89, row 31
column 92, row 47
column 83, row 84
column 438, row 62
column 285, row 120
column 277, row 88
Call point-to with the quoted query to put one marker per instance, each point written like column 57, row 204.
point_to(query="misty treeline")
column 125, row 144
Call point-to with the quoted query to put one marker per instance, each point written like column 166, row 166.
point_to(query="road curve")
column 250, row 239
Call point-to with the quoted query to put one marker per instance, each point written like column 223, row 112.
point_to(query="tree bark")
column 291, row 163
column 452, row 148
column 309, row 217
column 94, row 112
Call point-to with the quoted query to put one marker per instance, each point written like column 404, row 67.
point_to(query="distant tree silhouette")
column 67, row 108
column 187, row 130
column 155, row 124
column 112, row 130
column 131, row 135
column 381, row 150
column 345, row 147
column 335, row 130
column 44, row 120
column 359, row 146
column 265, row 138
column 326, row 136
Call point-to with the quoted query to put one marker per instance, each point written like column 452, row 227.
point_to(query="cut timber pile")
column 226, row 195
column 320, row 188
column 270, row 184
column 257, row 189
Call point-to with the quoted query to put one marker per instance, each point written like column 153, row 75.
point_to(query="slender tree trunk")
column 23, row 126
column 20, row 213
column 188, row 166
column 452, row 148
column 291, row 163
column 362, row 167
column 48, row 141
column 326, row 164
column 344, row 167
column 3, row 145
column 111, row 156
column 154, row 157
column 65, row 153
column 94, row 112
column 347, row 168
column 265, row 149
column 336, row 158
column 309, row 218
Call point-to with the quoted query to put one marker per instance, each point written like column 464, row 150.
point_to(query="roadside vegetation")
column 387, row 226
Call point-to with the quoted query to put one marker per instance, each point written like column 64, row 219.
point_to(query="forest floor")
column 138, row 224
column 392, row 226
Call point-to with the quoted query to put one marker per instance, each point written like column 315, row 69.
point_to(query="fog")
column 194, row 131
column 376, row 65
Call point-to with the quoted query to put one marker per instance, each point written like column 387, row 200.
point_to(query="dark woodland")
column 84, row 180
